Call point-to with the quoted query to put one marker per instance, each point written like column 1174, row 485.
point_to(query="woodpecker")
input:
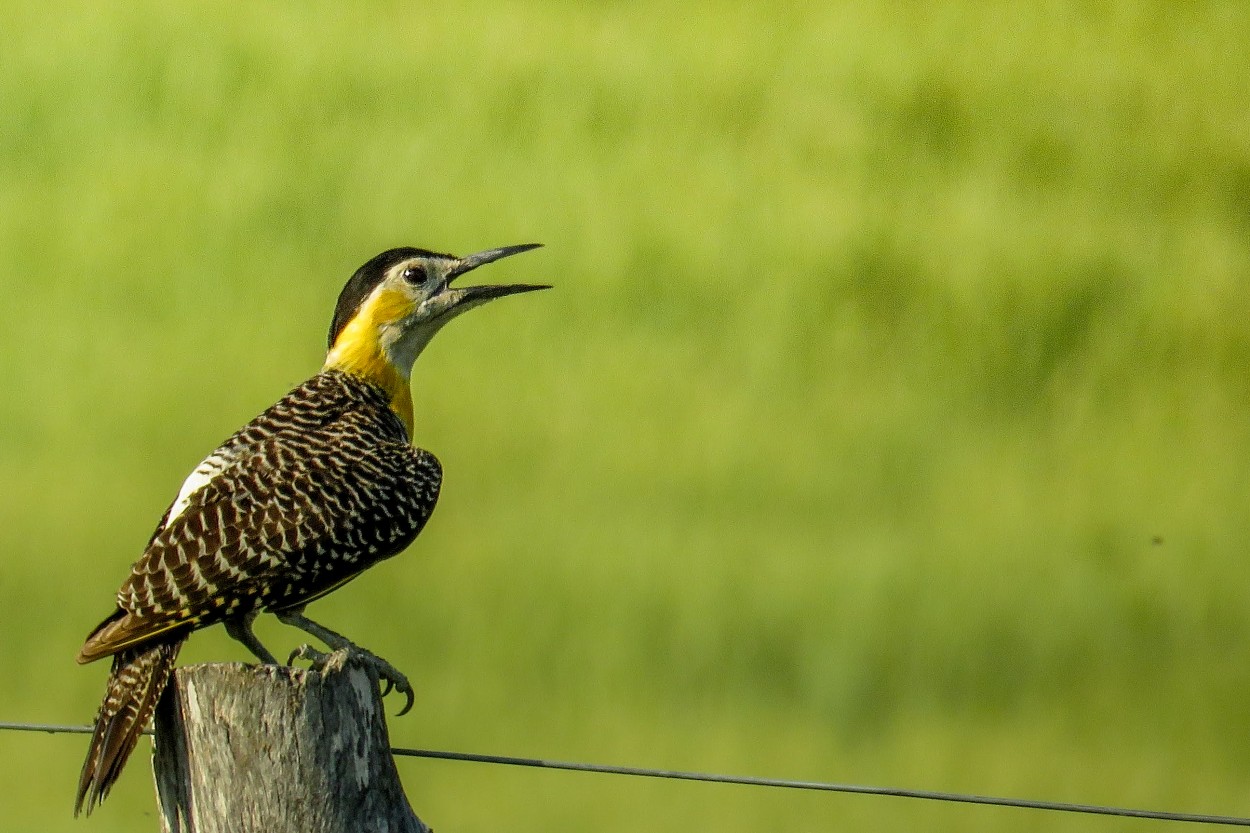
column 302, row 499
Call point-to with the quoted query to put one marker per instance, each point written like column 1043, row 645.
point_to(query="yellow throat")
column 361, row 349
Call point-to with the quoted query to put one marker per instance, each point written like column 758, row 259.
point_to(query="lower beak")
column 472, row 295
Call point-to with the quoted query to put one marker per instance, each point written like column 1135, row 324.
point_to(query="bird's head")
column 394, row 304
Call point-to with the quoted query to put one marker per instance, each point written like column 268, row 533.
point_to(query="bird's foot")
column 391, row 677
column 316, row 659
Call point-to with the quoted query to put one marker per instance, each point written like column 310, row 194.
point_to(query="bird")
column 322, row 485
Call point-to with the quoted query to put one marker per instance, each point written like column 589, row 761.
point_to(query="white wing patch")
column 213, row 465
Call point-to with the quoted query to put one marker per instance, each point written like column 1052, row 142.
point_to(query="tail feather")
column 138, row 677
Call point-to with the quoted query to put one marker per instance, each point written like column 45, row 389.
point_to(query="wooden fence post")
column 243, row 748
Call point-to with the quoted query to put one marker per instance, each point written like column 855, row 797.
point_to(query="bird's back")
column 317, row 488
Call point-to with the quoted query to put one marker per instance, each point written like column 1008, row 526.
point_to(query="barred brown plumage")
column 322, row 485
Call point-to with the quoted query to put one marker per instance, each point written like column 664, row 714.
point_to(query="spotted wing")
column 279, row 525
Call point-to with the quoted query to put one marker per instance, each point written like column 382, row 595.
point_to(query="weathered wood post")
column 268, row 748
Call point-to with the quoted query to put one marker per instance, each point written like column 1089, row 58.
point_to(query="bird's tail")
column 138, row 677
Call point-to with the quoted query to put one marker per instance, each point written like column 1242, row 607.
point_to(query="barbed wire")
column 756, row 781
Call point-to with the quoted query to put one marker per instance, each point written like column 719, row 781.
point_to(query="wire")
column 753, row 781
column 50, row 728
column 748, row 780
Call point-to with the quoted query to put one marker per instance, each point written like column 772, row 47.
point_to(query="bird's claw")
column 316, row 659
column 391, row 678
column 394, row 680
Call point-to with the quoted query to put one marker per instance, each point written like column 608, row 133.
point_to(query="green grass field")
column 889, row 422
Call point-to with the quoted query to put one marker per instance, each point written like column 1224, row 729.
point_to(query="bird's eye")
column 414, row 275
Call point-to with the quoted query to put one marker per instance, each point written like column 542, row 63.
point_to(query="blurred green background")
column 889, row 423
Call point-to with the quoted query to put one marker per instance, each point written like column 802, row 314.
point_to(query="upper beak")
column 470, row 262
column 472, row 295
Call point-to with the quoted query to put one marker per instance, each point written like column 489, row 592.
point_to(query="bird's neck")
column 362, row 355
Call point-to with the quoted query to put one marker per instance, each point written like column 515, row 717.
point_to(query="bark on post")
column 266, row 748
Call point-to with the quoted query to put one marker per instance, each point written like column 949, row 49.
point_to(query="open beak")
column 471, row 296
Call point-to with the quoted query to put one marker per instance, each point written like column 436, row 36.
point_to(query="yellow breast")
column 359, row 349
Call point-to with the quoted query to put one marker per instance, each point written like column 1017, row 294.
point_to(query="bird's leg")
column 385, row 671
column 241, row 629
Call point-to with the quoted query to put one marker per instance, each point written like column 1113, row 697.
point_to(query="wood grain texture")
column 244, row 748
